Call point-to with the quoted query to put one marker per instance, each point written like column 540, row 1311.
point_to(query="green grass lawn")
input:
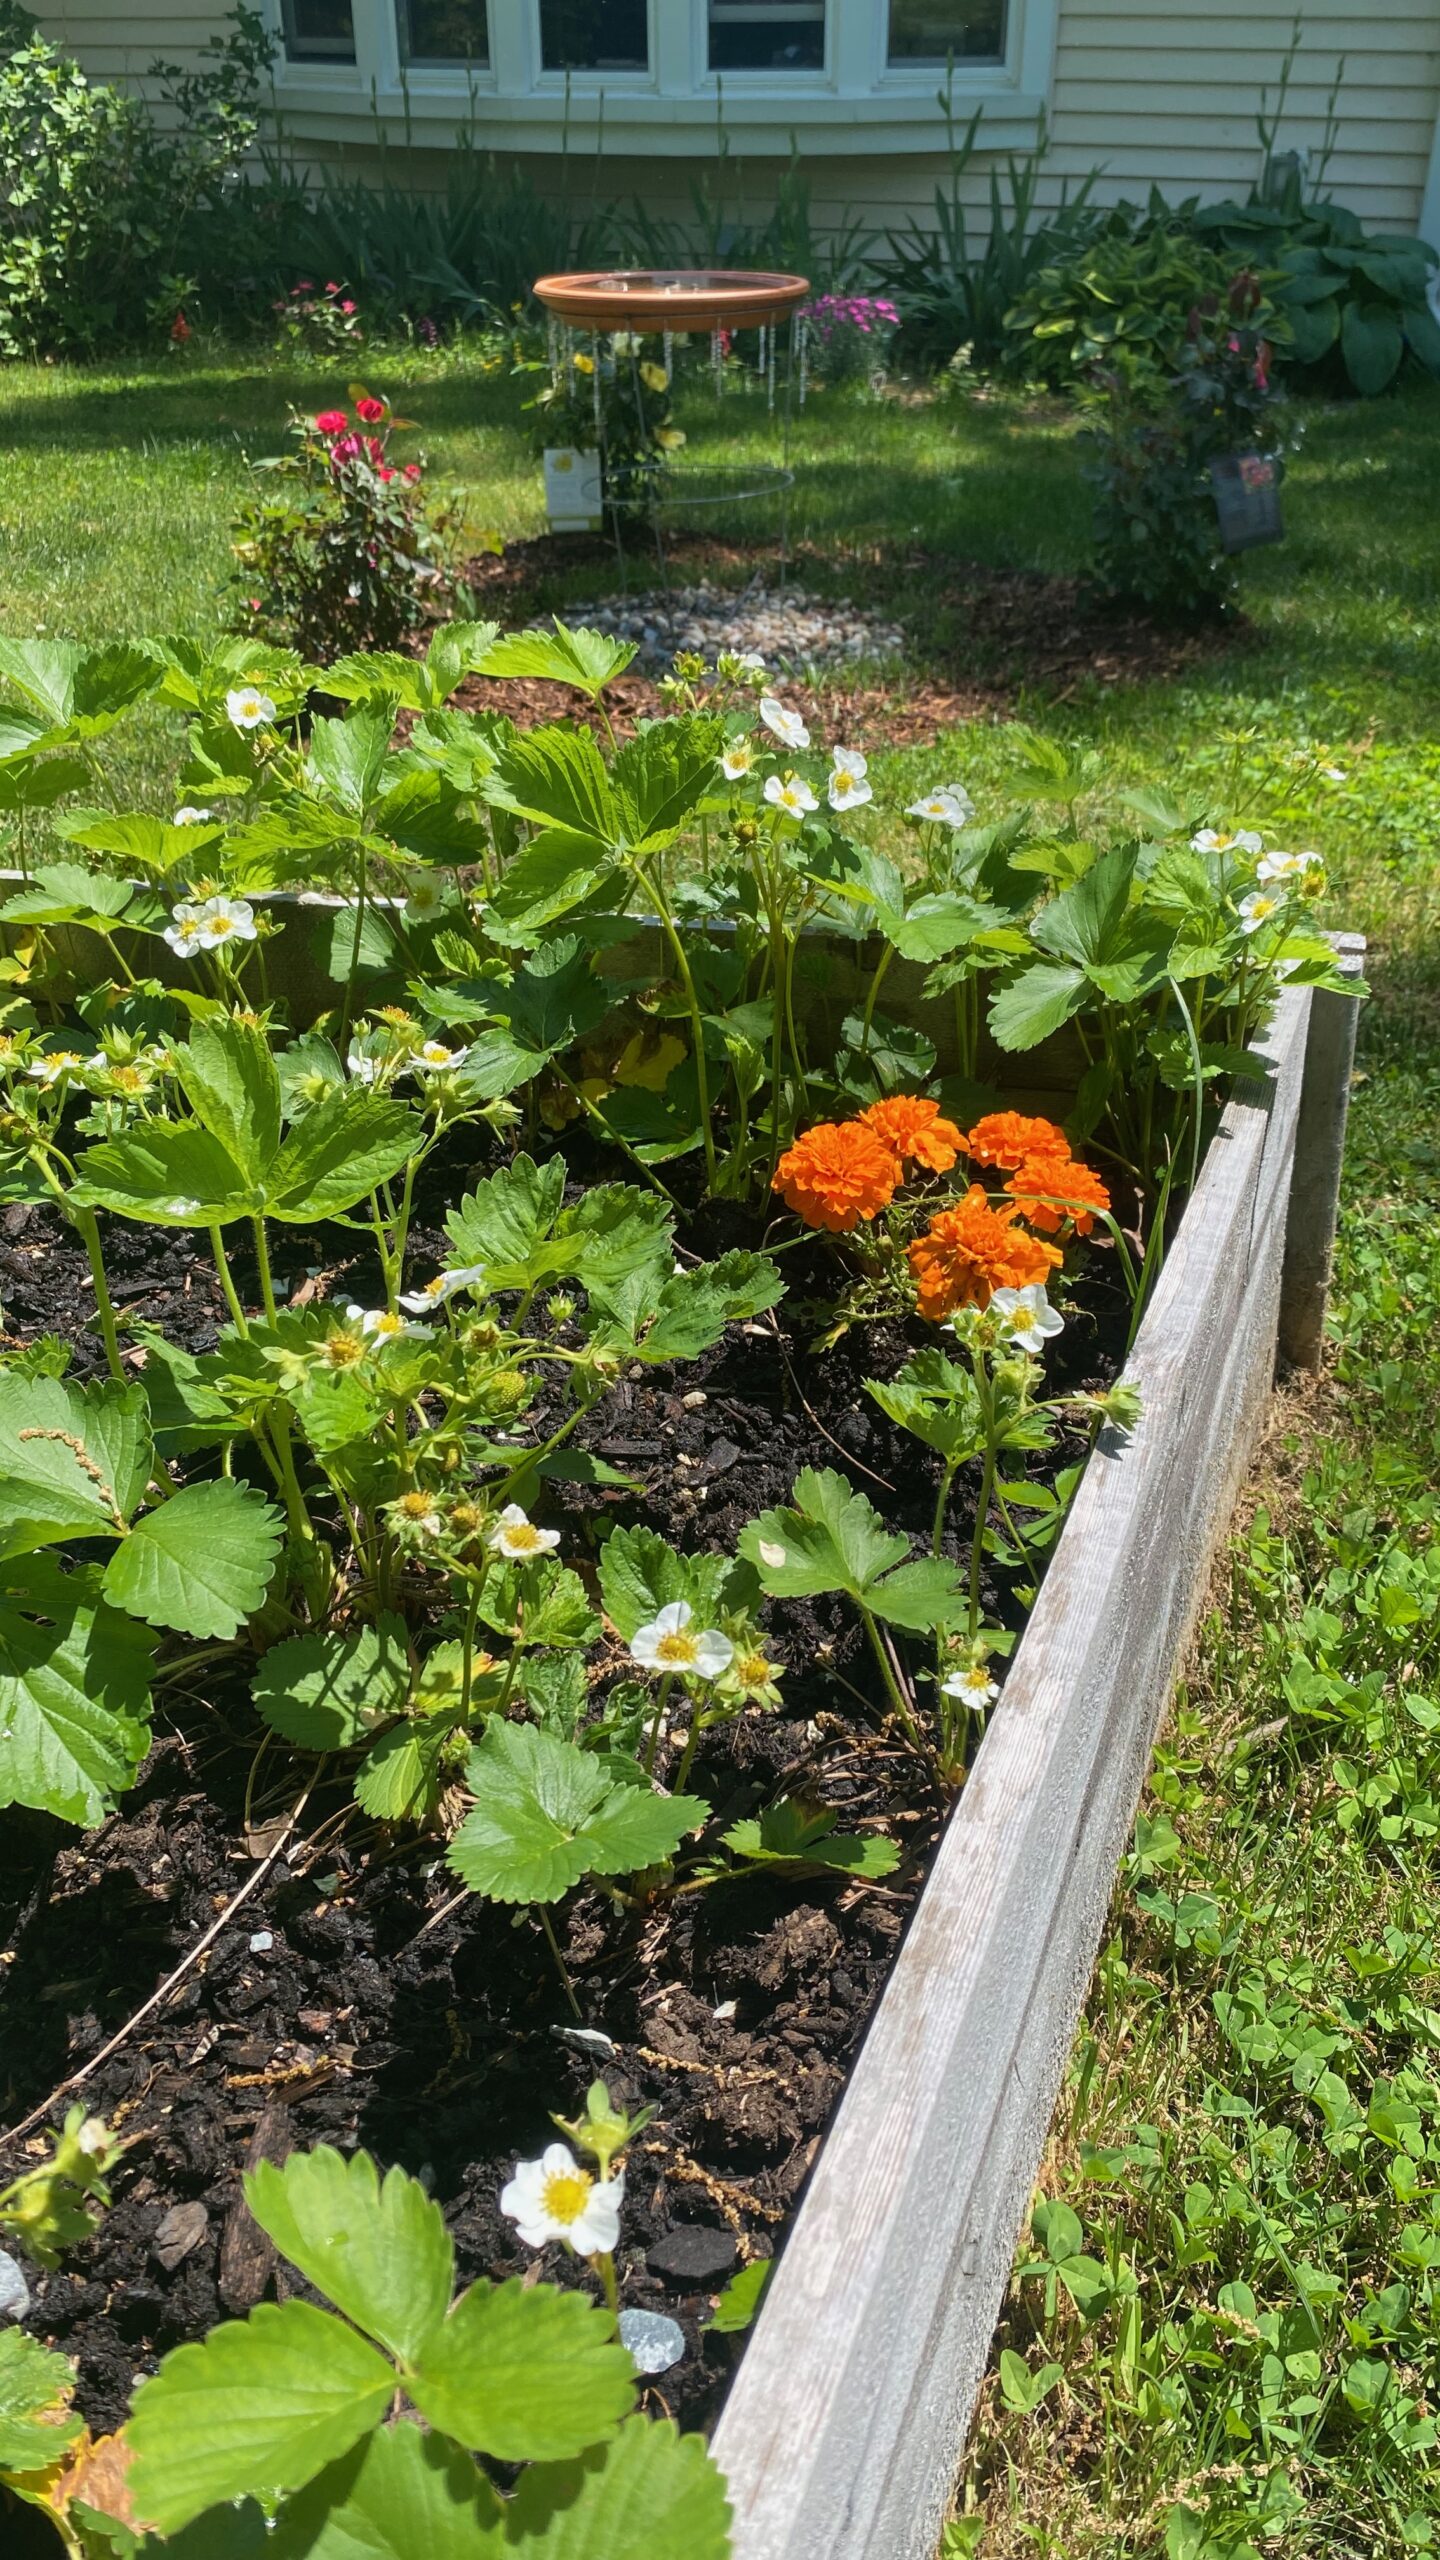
column 1247, row 2160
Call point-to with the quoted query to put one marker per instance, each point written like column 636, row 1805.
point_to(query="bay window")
column 594, row 35
column 318, row 30
column 934, row 32
column 767, row 35
column 639, row 78
column 445, row 31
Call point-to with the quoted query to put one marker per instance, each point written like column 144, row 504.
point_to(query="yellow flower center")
column 341, row 1350
column 753, row 1670
column 566, row 2194
column 222, row 925
column 522, row 1537
column 677, row 1651
column 416, row 1506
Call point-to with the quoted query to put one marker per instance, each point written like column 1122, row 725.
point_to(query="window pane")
column 595, row 35
column 767, row 35
column 445, row 31
column 931, row 30
column 319, row 31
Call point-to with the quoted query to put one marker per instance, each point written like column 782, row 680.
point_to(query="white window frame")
column 859, row 107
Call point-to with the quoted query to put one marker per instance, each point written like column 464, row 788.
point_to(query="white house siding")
column 120, row 43
column 1144, row 91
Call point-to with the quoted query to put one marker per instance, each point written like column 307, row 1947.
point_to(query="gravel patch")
column 795, row 633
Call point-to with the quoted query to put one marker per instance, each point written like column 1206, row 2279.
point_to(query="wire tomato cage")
column 599, row 326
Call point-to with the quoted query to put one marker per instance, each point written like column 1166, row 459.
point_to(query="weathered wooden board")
column 845, row 2425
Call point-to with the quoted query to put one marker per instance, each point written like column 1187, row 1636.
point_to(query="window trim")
column 859, row 108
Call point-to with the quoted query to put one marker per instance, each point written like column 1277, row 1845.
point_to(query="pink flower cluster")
column 348, row 445
column 866, row 312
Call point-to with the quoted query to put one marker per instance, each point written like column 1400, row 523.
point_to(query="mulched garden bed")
column 995, row 639
column 338, row 2005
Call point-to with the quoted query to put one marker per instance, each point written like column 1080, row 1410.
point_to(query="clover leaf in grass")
column 547, row 1814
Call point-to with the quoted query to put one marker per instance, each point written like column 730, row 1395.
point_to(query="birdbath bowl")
column 673, row 299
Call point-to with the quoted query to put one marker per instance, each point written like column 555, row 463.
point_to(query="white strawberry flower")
column 1211, row 840
column 793, row 796
column 785, row 725
column 553, row 2198
column 973, row 1687
column 1257, row 910
column 55, row 1064
column 223, row 920
column 668, row 1645
column 364, row 1068
column 184, row 929
column 950, row 806
column 516, row 1537
column 378, row 1324
column 247, row 708
column 737, row 759
column 847, row 787
column 425, row 899
column 435, row 1057
column 1031, row 1321
column 444, row 1286
column 186, row 816
column 1277, row 866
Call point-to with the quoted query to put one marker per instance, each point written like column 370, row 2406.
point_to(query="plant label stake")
column 1246, row 488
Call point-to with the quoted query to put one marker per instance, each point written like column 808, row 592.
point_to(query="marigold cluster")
column 839, row 1173
column 970, row 1251
column 1045, row 1179
column 915, row 1131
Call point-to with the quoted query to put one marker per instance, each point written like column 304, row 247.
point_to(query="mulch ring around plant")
column 995, row 639
column 347, row 2001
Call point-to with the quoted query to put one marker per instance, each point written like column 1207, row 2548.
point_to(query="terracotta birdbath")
column 676, row 299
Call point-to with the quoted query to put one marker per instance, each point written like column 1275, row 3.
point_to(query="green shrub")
column 1157, row 531
column 97, row 203
column 1117, row 303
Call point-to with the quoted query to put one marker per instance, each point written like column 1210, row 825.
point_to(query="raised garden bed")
column 631, row 1335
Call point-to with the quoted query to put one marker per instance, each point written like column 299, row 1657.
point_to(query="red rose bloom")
column 372, row 411
column 331, row 422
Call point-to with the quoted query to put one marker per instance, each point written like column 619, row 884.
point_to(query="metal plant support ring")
column 670, row 303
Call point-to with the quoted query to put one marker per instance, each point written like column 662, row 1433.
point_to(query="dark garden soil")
column 347, row 2002
column 993, row 640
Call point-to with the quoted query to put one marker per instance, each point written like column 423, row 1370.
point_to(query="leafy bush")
column 345, row 556
column 1356, row 303
column 1117, row 303
column 97, row 202
column 1157, row 532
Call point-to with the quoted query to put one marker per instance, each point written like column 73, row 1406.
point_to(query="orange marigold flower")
column 1008, row 1138
column 837, row 1174
column 914, row 1131
column 969, row 1252
column 1040, row 1184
